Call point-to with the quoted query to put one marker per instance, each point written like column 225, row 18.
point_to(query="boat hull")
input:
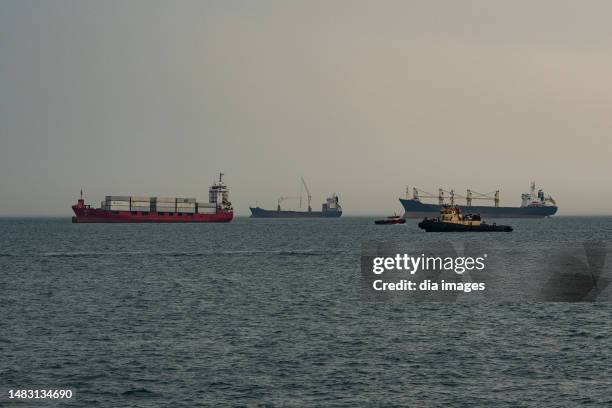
column 417, row 209
column 258, row 212
column 390, row 222
column 99, row 216
column 438, row 226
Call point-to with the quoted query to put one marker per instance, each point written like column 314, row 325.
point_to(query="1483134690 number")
column 40, row 394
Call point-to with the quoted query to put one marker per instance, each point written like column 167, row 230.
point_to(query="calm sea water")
column 269, row 312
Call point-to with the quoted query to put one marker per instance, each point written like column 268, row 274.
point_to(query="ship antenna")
column 220, row 177
column 81, row 194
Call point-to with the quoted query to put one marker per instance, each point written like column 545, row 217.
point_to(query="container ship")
column 330, row 209
column 116, row 209
column 535, row 204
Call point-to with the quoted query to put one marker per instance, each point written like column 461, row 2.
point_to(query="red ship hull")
column 85, row 214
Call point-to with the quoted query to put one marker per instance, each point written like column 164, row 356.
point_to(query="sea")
column 271, row 312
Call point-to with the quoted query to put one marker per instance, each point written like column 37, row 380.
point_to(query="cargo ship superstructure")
column 535, row 204
column 329, row 209
column 124, row 209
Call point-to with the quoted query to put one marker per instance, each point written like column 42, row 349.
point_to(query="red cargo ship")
column 154, row 209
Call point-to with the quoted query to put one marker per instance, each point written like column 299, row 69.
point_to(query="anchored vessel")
column 158, row 209
column 534, row 204
column 394, row 219
column 330, row 209
column 451, row 220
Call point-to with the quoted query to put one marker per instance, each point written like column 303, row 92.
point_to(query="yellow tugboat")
column 451, row 219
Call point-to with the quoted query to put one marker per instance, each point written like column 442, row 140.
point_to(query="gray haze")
column 361, row 98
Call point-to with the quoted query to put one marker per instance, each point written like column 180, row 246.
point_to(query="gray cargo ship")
column 534, row 204
column 330, row 209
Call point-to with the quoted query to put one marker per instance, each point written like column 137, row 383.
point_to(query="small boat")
column 394, row 219
column 451, row 220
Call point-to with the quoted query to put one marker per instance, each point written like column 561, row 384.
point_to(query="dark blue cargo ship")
column 534, row 205
column 329, row 209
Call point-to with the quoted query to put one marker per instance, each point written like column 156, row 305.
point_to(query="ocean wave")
column 139, row 392
column 303, row 253
column 180, row 254
column 75, row 254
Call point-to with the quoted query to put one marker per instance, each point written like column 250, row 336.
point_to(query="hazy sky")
column 360, row 98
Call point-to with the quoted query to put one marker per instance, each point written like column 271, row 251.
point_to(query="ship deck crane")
column 475, row 195
column 417, row 194
column 308, row 194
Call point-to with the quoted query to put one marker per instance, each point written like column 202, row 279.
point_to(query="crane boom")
column 308, row 194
